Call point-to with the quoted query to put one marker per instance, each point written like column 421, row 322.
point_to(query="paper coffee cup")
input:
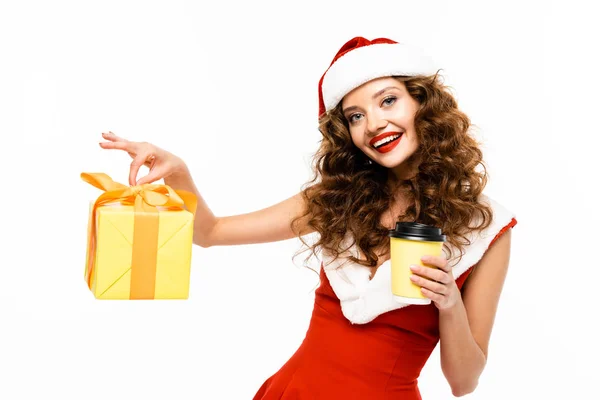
column 410, row 241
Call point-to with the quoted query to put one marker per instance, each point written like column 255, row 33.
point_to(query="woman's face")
column 380, row 115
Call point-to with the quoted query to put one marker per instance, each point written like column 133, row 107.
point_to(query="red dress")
column 375, row 361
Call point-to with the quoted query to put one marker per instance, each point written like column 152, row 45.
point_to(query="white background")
column 232, row 89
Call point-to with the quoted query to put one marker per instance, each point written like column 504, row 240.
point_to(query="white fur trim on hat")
column 369, row 62
column 363, row 299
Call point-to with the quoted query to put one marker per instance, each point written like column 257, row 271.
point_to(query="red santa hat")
column 361, row 60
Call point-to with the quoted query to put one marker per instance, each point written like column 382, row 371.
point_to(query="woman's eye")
column 353, row 118
column 388, row 101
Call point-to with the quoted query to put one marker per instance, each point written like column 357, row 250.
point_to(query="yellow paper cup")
column 410, row 241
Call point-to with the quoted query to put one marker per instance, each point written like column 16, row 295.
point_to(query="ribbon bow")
column 146, row 199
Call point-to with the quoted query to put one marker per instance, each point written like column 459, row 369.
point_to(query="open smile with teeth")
column 386, row 140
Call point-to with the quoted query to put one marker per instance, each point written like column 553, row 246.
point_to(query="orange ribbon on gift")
column 145, row 199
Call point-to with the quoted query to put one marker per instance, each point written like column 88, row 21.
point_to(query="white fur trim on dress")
column 369, row 62
column 363, row 299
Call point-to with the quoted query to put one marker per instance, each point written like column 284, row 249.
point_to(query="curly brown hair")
column 353, row 193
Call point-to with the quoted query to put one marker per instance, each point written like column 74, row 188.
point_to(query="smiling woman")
column 395, row 147
column 391, row 108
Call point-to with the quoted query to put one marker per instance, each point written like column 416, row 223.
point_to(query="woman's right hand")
column 162, row 164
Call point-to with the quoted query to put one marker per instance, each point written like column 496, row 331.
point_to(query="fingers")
column 437, row 261
column 116, row 142
column 112, row 137
column 429, row 285
column 435, row 297
column 152, row 176
column 431, row 273
column 436, row 281
column 127, row 146
column 136, row 164
column 141, row 152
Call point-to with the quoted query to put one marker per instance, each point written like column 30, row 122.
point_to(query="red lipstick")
column 389, row 146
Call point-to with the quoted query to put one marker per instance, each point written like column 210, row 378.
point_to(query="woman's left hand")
column 436, row 283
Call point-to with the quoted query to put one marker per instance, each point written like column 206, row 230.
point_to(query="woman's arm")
column 465, row 328
column 267, row 225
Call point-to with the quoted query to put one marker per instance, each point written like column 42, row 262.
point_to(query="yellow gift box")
column 139, row 240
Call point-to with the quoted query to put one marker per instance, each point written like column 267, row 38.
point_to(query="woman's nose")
column 375, row 124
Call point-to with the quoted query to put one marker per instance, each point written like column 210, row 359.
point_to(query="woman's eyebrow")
column 378, row 93
column 382, row 91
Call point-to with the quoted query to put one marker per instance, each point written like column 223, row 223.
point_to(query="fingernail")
column 413, row 267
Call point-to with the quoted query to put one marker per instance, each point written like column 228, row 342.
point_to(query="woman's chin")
column 390, row 162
